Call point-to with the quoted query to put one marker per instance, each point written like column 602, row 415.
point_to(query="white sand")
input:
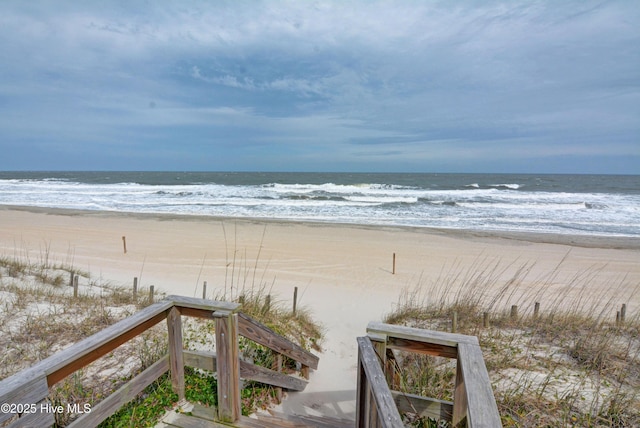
column 343, row 272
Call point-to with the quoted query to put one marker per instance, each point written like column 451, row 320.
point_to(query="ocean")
column 603, row 205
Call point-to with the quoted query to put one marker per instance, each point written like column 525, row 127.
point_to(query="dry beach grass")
column 573, row 363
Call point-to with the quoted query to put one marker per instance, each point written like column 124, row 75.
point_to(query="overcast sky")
column 420, row 86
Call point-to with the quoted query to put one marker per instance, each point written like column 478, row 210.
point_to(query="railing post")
column 176, row 358
column 459, row 397
column 228, row 366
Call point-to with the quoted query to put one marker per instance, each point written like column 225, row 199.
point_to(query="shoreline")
column 343, row 272
column 576, row 240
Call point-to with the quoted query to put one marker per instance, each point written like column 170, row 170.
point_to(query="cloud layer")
column 494, row 86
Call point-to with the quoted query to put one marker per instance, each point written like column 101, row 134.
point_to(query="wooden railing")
column 26, row 393
column 474, row 404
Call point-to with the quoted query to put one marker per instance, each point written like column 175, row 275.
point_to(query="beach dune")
column 344, row 273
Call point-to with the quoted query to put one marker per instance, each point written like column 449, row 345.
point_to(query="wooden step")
column 198, row 416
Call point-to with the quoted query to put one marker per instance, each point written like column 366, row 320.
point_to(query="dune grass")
column 39, row 316
column 571, row 365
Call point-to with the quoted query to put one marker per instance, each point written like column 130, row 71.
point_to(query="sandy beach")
column 343, row 272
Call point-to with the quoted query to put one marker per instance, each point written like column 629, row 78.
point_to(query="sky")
column 364, row 86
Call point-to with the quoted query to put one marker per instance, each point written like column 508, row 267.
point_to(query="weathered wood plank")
column 263, row 335
column 427, row 348
column 459, row 398
column 248, row 371
column 482, row 410
column 198, row 313
column 264, row 375
column 123, row 395
column 208, row 305
column 18, row 390
column 65, row 362
column 385, row 411
column 228, row 368
column 100, row 346
column 176, row 359
column 179, row 420
column 200, row 360
column 379, row 330
column 422, row 406
column 30, row 420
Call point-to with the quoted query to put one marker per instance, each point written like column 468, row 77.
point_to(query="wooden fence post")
column 485, row 319
column 393, row 271
column 135, row 287
column 124, row 244
column 228, row 366
column 176, row 358
column 536, row 310
column 623, row 313
column 514, row 311
column 454, row 322
column 267, row 304
column 75, row 286
column 204, row 290
column 295, row 300
column 151, row 294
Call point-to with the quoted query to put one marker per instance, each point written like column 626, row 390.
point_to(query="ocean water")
column 563, row 204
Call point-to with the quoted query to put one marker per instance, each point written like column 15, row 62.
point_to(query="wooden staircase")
column 197, row 416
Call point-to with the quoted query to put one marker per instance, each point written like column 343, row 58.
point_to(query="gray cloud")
column 429, row 85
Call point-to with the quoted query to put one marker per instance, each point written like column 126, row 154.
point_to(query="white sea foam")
column 467, row 206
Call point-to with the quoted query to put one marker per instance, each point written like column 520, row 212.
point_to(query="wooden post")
column 295, row 300
column 393, row 271
column 71, row 279
column 176, row 358
column 228, row 366
column 124, row 244
column 151, row 294
column 204, row 290
column 514, row 311
column 135, row 287
column 536, row 310
column 278, row 367
column 75, row 286
column 617, row 317
column 454, row 322
column 623, row 313
column 267, row 304
column 485, row 319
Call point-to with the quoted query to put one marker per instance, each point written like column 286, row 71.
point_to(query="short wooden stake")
column 124, row 244
column 295, row 299
column 514, row 311
column 71, row 279
column 485, row 319
column 454, row 322
column 623, row 312
column 151, row 294
column 536, row 309
column 75, row 286
column 393, row 271
column 267, row 304
column 617, row 317
column 204, row 290
column 135, row 287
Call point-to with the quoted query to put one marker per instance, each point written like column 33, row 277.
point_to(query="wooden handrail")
column 474, row 404
column 375, row 406
column 30, row 386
